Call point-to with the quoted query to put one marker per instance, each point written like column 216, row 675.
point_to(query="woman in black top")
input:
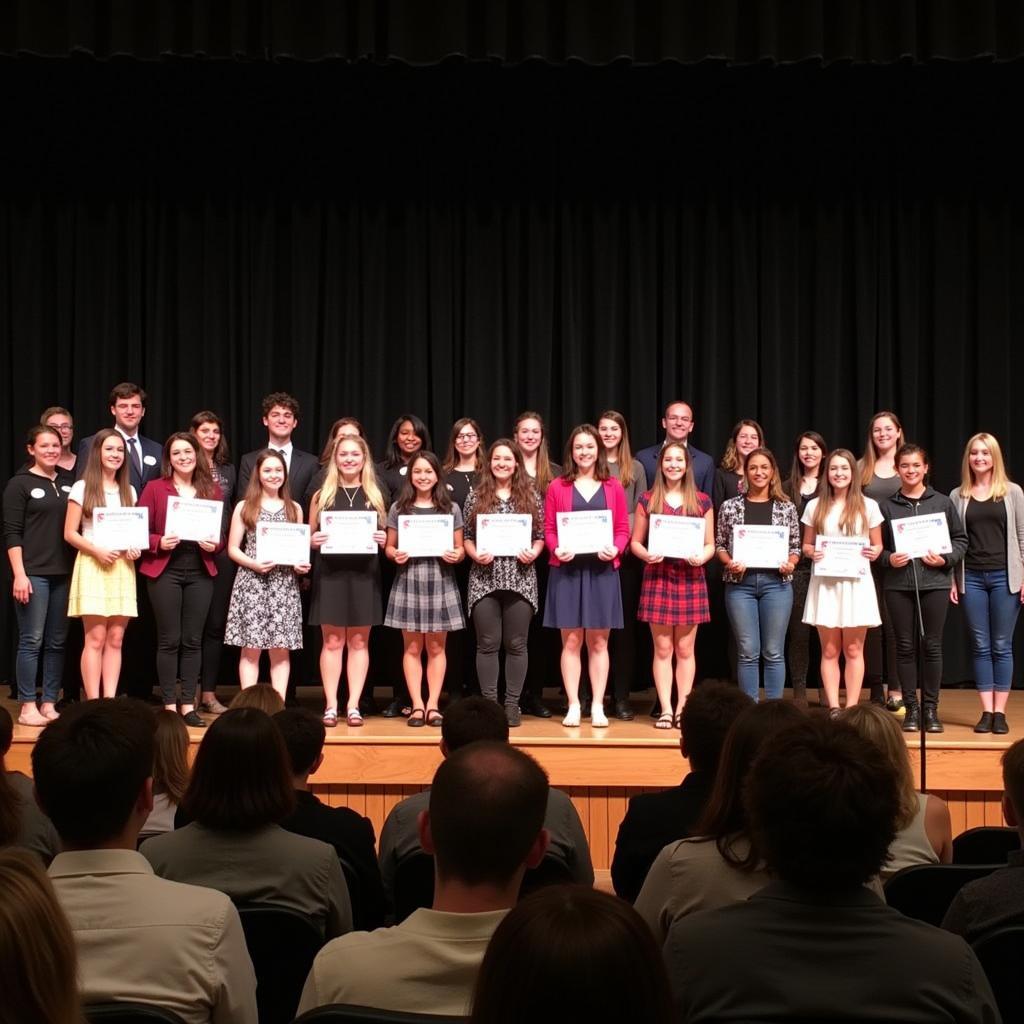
column 35, row 504
column 745, row 437
column 408, row 435
column 464, row 459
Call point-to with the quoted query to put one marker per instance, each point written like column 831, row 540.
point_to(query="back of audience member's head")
column 823, row 803
column 570, row 932
column 10, row 813
column 724, row 817
column 487, row 806
column 707, row 716
column 879, row 726
column 473, row 719
column 1013, row 781
column 90, row 766
column 37, row 947
column 261, row 697
column 304, row 736
column 170, row 760
column 240, row 779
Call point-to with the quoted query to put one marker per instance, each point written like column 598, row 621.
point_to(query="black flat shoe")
column 193, row 719
column 393, row 710
column 623, row 712
column 529, row 704
column 932, row 723
column 984, row 723
column 999, row 724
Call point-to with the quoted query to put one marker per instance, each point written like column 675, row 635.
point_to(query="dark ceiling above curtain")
column 426, row 32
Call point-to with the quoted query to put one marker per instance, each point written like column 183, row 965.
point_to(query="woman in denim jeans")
column 35, row 503
column 758, row 600
column 991, row 578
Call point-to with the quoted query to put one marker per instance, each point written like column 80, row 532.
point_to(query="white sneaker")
column 572, row 718
column 598, row 719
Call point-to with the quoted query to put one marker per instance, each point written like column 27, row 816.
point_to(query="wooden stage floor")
column 373, row 767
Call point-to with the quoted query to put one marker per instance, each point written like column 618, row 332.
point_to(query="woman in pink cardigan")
column 583, row 598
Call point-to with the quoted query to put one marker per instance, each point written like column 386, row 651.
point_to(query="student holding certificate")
column 842, row 607
column 424, row 602
column 990, row 580
column 583, row 597
column 917, row 588
column 265, row 613
column 35, row 501
column 503, row 587
column 103, row 581
column 758, row 541
column 179, row 573
column 674, row 593
column 346, row 600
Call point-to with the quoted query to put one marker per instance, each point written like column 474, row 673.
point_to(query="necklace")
column 351, row 497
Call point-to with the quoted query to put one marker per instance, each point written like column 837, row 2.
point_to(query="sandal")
column 666, row 720
column 416, row 719
column 677, row 721
column 330, row 718
column 434, row 717
column 354, row 718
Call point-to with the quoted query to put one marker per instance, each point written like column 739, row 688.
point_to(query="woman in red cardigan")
column 179, row 573
column 583, row 598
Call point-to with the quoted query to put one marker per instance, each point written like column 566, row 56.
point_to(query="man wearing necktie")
column 128, row 407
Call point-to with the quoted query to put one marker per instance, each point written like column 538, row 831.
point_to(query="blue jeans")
column 991, row 609
column 42, row 626
column 758, row 608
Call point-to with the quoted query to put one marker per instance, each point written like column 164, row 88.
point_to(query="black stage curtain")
column 801, row 245
column 425, row 32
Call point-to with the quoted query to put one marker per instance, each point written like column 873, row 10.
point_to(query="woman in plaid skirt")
column 424, row 602
column 674, row 593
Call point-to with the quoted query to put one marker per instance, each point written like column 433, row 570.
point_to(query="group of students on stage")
column 216, row 591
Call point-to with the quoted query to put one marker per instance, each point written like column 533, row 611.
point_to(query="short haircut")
column 487, row 806
column 303, row 734
column 676, row 401
column 241, row 779
column 55, row 410
column 570, row 931
column 90, row 766
column 126, row 390
column 283, row 399
column 472, row 719
column 708, row 713
column 1013, row 777
column 822, row 802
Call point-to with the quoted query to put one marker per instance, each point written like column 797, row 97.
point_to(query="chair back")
column 987, row 844
column 356, row 897
column 925, row 891
column 1001, row 953
column 414, row 884
column 345, row 1013
column 282, row 944
column 129, row 1013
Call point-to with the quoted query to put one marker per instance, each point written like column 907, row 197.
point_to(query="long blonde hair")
column 731, row 459
column 656, row 501
column 624, row 469
column 879, row 727
column 1000, row 478
column 367, row 480
column 544, row 475
column 866, row 465
column 854, row 517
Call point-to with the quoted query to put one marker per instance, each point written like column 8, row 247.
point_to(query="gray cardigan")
column 1014, row 502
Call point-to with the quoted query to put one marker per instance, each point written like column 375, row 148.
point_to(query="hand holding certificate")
column 581, row 533
column 503, row 534
column 194, row 519
column 842, row 557
column 917, row 536
column 676, row 536
column 349, row 533
column 121, row 529
column 760, row 547
column 426, row 536
column 283, row 544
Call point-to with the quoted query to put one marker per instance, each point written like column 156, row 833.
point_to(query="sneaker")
column 30, row 715
column 598, row 719
column 514, row 715
column 572, row 716
column 999, row 724
column 896, row 705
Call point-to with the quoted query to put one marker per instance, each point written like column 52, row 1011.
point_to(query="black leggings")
column 502, row 618
column 902, row 606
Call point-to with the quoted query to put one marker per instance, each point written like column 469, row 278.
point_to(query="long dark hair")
column 796, row 470
column 440, row 496
column 524, row 492
column 254, row 492
column 393, row 455
column 570, row 470
column 222, row 455
column 202, row 478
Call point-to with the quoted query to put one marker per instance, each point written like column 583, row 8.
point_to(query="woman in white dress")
column 842, row 608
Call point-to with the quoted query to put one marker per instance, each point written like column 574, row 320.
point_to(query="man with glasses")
column 677, row 424
column 61, row 420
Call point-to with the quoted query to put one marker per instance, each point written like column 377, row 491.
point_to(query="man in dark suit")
column 128, row 406
column 677, row 424
column 281, row 417
column 349, row 833
column 653, row 820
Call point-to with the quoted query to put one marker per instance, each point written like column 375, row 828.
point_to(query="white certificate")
column 676, row 536
column 503, row 533
column 193, row 518
column 426, row 536
column 349, row 533
column 282, row 543
column 118, row 529
column 917, row 535
column 760, row 547
column 585, row 532
column 843, row 557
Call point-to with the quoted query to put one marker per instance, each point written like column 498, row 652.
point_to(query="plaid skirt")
column 425, row 598
column 674, row 593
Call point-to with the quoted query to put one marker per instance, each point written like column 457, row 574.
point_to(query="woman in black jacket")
column 917, row 589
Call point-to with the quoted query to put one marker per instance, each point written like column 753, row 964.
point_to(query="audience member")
column 37, row 949
column 815, row 944
column 653, row 820
column 170, row 773
column 722, row 863
column 22, row 823
column 468, row 721
column 240, row 791
column 998, row 900
column 484, row 826
column 140, row 938
column 349, row 833
column 924, row 833
column 565, row 932
column 263, row 697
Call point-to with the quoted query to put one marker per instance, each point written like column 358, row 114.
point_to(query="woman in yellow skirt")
column 103, row 581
